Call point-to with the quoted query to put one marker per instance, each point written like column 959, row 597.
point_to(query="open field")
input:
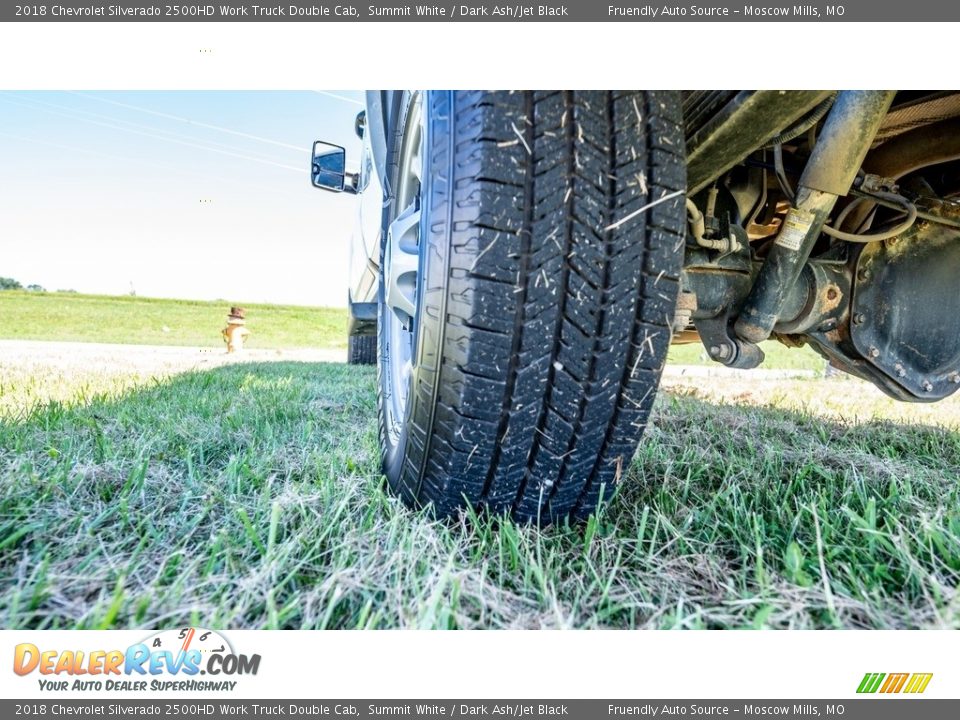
column 148, row 493
column 72, row 317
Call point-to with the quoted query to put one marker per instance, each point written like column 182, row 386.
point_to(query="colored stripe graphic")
column 870, row 682
column 918, row 682
column 894, row 683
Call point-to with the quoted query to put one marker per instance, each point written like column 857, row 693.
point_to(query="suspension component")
column 846, row 137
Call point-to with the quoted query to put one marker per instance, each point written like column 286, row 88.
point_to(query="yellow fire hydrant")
column 235, row 332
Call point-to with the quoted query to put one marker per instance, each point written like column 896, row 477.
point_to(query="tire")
column 362, row 349
column 544, row 297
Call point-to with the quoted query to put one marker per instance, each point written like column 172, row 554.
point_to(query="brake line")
column 902, row 227
column 891, row 199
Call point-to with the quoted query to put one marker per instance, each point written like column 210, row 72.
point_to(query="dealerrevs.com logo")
column 169, row 660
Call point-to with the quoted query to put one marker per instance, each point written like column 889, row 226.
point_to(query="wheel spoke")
column 402, row 262
column 416, row 162
column 416, row 155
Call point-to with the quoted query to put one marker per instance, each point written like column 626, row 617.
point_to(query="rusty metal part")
column 685, row 337
column 906, row 153
column 791, row 341
column 945, row 212
column 870, row 183
column 750, row 120
column 819, row 299
column 683, row 314
column 770, row 224
column 783, row 264
column 906, row 312
column 715, row 290
column 723, row 346
column 844, row 141
column 720, row 283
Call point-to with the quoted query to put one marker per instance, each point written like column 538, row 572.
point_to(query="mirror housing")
column 328, row 171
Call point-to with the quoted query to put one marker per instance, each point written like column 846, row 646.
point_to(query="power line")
column 344, row 98
column 159, row 137
column 188, row 121
column 126, row 158
column 116, row 119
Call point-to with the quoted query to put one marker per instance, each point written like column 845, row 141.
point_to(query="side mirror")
column 329, row 168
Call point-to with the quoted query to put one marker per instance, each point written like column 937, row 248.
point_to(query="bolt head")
column 927, row 387
column 721, row 351
column 859, row 318
column 900, row 371
column 874, row 352
column 955, row 378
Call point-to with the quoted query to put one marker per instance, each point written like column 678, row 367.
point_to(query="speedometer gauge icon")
column 183, row 639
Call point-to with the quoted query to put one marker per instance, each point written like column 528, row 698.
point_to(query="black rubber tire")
column 362, row 349
column 546, row 296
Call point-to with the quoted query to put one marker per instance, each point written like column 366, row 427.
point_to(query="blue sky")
column 178, row 194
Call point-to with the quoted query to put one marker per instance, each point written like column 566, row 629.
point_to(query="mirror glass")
column 329, row 163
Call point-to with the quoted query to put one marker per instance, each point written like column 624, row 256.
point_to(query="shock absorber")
column 846, row 137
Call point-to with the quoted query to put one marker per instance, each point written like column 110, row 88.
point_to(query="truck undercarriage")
column 827, row 219
column 528, row 257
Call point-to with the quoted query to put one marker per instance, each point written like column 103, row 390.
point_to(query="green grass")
column 151, row 321
column 249, row 496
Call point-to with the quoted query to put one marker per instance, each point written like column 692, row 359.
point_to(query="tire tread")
column 557, row 318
